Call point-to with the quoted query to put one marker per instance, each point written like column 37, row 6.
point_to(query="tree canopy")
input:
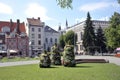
column 70, row 38
column 65, row 3
column 61, row 41
column 119, row 1
column 112, row 33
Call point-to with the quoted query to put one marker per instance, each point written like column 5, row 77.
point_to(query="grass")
column 84, row 71
column 5, row 59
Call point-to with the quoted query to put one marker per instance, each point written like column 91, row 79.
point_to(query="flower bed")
column 117, row 55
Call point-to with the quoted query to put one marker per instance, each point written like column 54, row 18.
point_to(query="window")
column 81, row 34
column 46, row 40
column 39, row 29
column 5, row 29
column 39, row 35
column 1, row 41
column 44, row 46
column 56, row 40
column 32, row 42
column 81, row 47
column 32, row 35
column 33, row 29
column 39, row 42
column 51, row 40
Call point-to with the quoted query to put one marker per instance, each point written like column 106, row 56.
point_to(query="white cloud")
column 5, row 9
column 95, row 6
column 35, row 10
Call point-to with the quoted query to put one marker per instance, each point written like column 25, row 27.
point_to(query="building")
column 35, row 32
column 15, row 39
column 51, row 37
column 2, row 43
column 79, row 30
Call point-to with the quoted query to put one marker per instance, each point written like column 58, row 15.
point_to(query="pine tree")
column 100, row 40
column 89, row 36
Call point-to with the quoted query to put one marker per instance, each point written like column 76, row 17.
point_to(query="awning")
column 2, row 51
column 13, row 51
column 118, row 49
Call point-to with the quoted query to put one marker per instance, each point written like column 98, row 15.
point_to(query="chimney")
column 18, row 26
column 59, row 29
column 11, row 24
column 38, row 18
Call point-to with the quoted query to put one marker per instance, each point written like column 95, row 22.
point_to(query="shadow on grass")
column 49, row 67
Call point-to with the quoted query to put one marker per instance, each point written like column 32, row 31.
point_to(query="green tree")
column 65, row 3
column 112, row 33
column 100, row 40
column 68, row 3
column 119, row 1
column 89, row 35
column 70, row 37
column 61, row 41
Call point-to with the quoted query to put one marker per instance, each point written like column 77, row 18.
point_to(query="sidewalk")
column 19, row 63
column 111, row 59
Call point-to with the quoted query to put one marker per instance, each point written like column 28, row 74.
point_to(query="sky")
column 53, row 16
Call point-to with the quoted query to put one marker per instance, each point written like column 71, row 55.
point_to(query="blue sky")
column 53, row 15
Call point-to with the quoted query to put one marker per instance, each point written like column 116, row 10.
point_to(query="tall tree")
column 89, row 35
column 100, row 40
column 61, row 41
column 112, row 33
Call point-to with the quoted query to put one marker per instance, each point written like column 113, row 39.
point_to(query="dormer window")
column 5, row 29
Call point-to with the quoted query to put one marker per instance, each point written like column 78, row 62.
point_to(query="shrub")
column 45, row 61
column 69, row 56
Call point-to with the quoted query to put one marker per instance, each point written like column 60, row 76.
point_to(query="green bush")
column 55, row 56
column 69, row 56
column 45, row 61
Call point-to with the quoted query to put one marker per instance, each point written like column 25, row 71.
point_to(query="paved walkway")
column 19, row 63
column 111, row 59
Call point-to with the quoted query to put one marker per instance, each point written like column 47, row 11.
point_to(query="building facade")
column 79, row 30
column 51, row 37
column 35, row 32
column 15, row 39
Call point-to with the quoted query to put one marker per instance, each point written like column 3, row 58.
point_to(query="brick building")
column 15, row 37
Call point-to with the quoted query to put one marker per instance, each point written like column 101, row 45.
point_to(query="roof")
column 12, row 26
column 35, row 22
column 101, row 21
column 49, row 29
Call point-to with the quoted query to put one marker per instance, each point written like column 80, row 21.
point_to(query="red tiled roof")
column 35, row 22
column 12, row 26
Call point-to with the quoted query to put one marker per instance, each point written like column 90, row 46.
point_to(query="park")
column 88, row 48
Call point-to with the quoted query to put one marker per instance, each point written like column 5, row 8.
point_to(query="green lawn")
column 84, row 71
